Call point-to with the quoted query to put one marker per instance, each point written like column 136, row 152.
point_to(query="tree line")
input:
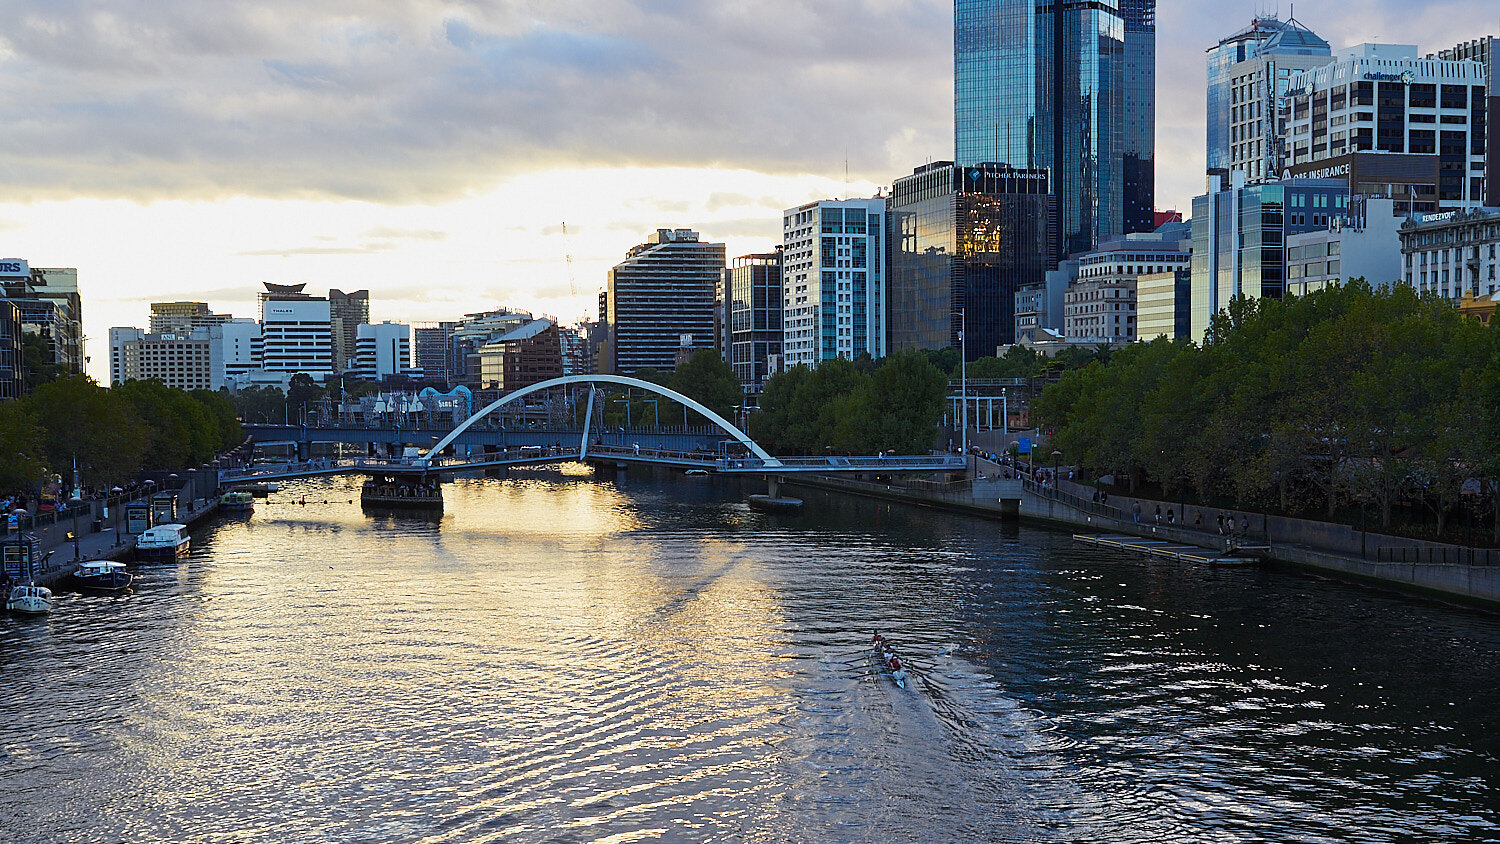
column 110, row 435
column 852, row 407
column 1349, row 397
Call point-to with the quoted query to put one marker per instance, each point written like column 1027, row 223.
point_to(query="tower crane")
column 568, row 251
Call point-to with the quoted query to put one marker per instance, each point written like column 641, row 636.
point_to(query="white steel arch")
column 726, row 425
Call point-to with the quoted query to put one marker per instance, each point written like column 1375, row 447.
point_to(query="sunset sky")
column 430, row 150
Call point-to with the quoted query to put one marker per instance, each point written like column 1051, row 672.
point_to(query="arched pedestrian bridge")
column 505, row 448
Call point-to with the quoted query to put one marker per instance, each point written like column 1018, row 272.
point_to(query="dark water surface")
column 565, row 659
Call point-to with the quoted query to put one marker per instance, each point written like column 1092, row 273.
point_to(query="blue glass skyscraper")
column 1069, row 87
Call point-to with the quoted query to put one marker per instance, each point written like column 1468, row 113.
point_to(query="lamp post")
column 75, row 504
column 963, row 376
column 655, row 412
column 626, row 402
column 1056, row 458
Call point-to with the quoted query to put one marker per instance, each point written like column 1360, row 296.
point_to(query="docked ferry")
column 163, row 542
column 237, row 501
column 29, row 599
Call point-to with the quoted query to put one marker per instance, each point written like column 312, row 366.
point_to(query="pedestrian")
column 1244, row 524
column 1221, row 524
column 1158, row 514
column 1135, row 511
column 1171, row 518
column 1198, row 519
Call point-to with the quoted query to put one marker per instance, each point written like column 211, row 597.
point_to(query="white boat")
column 30, row 599
column 163, row 542
column 103, row 575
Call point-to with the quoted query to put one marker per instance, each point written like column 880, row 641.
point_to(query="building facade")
column 381, row 351
column 1452, row 253
column 753, row 292
column 51, row 308
column 12, row 354
column 662, row 292
column 182, row 317
column 1100, row 306
column 964, row 242
column 1162, row 305
column 1364, row 243
column 1382, row 98
column 1486, row 51
column 1068, row 88
column 1239, row 239
column 833, row 281
column 346, row 313
column 296, row 332
column 181, row 361
column 529, row 354
column 1249, row 74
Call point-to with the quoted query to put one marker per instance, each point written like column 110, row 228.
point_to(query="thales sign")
column 13, row 268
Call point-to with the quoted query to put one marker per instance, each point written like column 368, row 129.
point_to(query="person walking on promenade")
column 1221, row 524
column 1135, row 511
column 1158, row 514
column 1171, row 517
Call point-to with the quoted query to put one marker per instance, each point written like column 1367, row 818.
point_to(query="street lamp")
column 655, row 412
column 626, row 402
column 75, row 504
column 963, row 375
column 1056, row 458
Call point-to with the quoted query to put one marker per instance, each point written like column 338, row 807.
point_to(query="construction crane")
column 568, row 251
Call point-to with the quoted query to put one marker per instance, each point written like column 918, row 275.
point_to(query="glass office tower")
column 1065, row 87
column 964, row 240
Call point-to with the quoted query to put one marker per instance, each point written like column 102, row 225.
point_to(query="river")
column 561, row 658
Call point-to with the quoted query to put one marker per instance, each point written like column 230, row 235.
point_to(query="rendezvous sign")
column 14, row 268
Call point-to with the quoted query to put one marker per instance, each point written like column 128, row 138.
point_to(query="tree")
column 900, row 407
column 772, row 424
column 38, row 361
column 708, row 379
column 83, row 421
column 21, row 463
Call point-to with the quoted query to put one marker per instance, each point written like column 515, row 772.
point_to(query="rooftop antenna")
column 846, row 174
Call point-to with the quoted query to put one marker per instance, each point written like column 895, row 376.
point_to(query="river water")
column 564, row 658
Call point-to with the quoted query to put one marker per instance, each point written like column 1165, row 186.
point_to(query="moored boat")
column 102, row 575
column 399, row 491
column 237, row 501
column 163, row 542
column 30, row 599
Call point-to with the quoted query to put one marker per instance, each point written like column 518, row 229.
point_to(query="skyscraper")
column 661, row 299
column 1248, row 75
column 964, row 240
column 833, row 273
column 1065, row 87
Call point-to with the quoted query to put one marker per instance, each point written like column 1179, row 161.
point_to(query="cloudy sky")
column 432, row 150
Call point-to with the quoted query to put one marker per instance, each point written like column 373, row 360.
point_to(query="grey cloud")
column 425, row 100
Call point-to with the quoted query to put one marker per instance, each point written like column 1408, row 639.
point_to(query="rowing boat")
column 889, row 661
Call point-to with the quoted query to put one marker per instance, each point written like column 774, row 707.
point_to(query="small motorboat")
column 889, row 661
column 30, row 599
column 163, row 542
column 101, row 575
column 696, row 473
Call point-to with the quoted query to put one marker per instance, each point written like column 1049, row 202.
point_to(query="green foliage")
column 221, row 412
column 1348, row 395
column 260, row 405
column 83, row 421
column 838, row 408
column 1018, row 362
column 710, row 380
column 37, row 360
column 21, row 463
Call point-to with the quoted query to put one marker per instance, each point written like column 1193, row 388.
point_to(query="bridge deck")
column 535, row 456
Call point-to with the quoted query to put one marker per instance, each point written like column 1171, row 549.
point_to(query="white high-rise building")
column 381, row 350
column 1381, row 98
column 297, row 336
column 833, row 280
